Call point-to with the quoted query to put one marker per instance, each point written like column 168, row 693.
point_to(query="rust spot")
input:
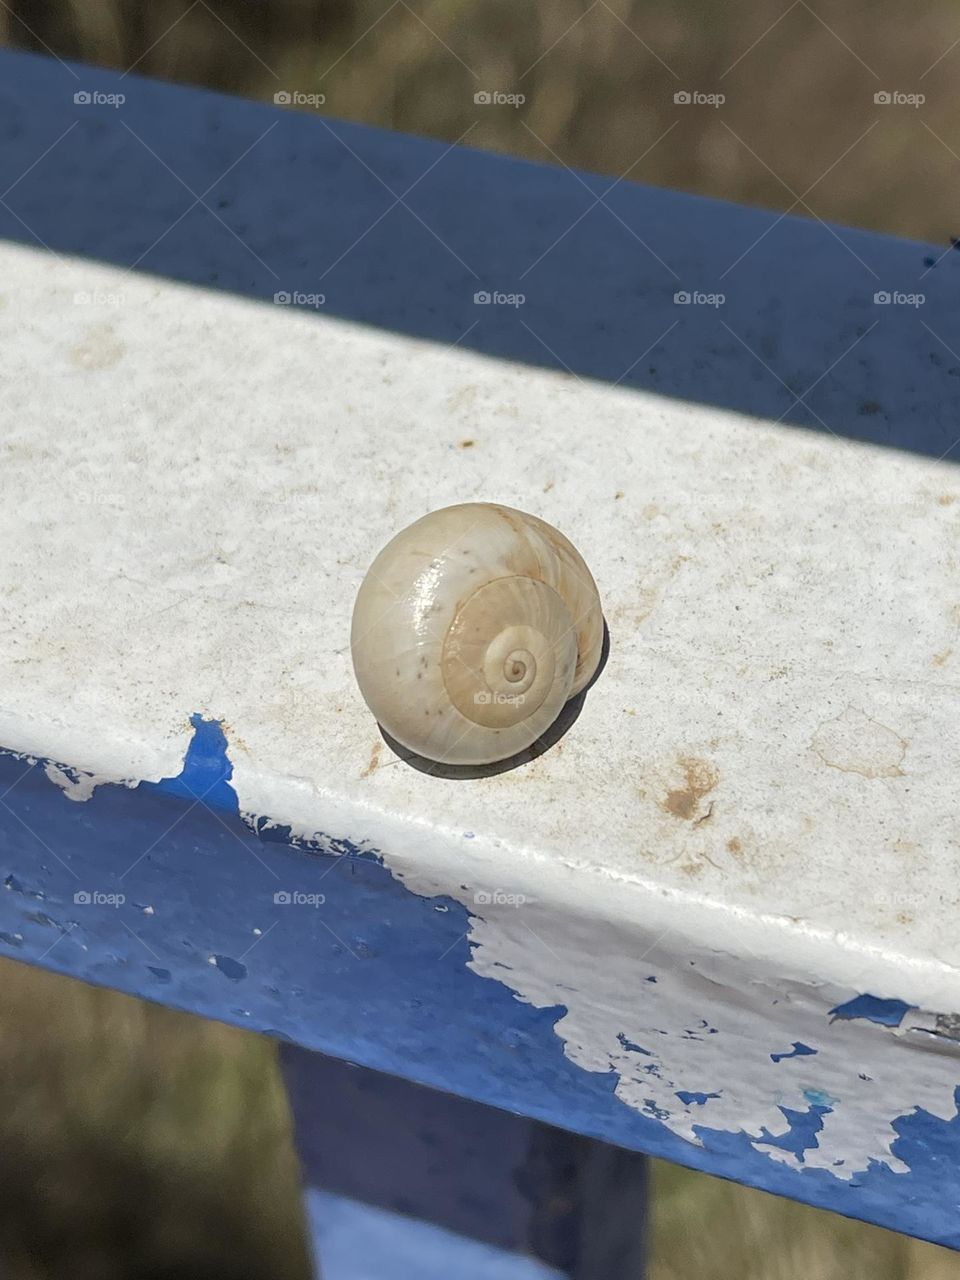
column 946, row 500
column 700, row 778
column 691, row 869
column 735, row 845
column 467, row 444
column 854, row 742
column 374, row 762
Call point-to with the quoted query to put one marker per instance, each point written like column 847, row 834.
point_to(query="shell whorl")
column 472, row 629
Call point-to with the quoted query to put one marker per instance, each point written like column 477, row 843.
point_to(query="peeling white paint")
column 74, row 783
column 710, row 1023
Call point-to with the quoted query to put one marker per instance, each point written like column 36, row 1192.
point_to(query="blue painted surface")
column 692, row 1098
column 799, row 1050
column 375, row 974
column 354, row 1241
column 485, row 1174
column 888, row 1013
column 206, row 771
column 595, row 302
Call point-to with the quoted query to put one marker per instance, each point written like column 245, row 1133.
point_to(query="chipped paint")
column 888, row 1013
column 854, row 742
column 709, row 1025
column 693, row 1045
column 74, row 783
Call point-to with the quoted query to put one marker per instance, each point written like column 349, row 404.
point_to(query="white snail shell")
column 471, row 629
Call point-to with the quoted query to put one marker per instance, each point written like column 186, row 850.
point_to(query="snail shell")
column 471, row 629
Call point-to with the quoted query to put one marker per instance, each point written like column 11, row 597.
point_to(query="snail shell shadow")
column 463, row 772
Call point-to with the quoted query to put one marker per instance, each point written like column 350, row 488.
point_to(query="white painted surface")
column 762, row 782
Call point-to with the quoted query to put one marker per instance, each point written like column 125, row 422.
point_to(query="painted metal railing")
column 714, row 921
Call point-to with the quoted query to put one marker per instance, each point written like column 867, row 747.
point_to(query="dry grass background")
column 136, row 1142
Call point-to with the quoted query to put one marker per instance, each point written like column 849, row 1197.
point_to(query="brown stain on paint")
column 100, row 349
column 691, row 869
column 467, row 444
column 374, row 762
column 946, row 500
column 939, row 659
column 735, row 846
column 462, row 398
column 854, row 742
column 700, row 778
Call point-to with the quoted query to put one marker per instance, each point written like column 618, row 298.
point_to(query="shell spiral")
column 471, row 629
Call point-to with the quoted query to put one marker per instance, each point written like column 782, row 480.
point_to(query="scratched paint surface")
column 161, row 889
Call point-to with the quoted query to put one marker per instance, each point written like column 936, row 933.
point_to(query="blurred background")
column 137, row 1142
column 799, row 126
